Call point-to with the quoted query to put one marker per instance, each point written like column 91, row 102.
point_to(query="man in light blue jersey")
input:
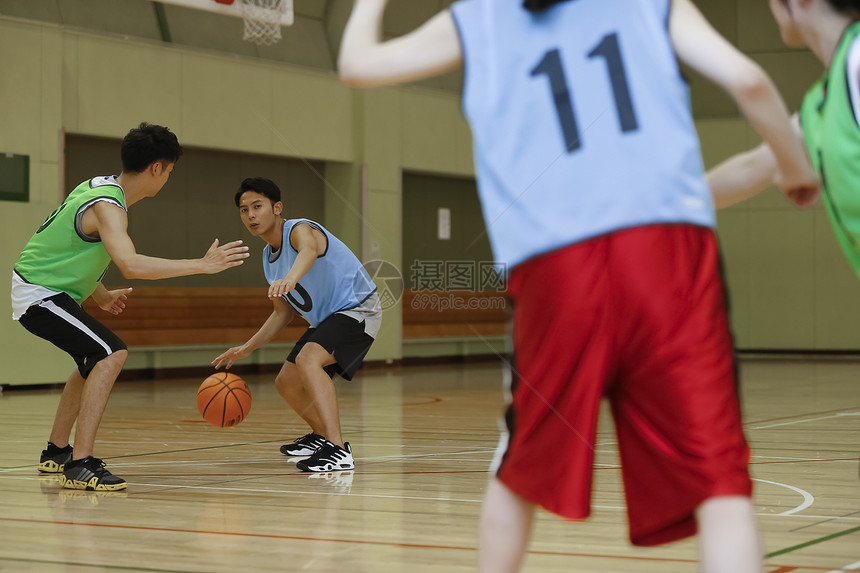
column 594, row 194
column 312, row 273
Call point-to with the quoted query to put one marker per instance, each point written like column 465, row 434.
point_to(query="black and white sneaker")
column 304, row 446
column 54, row 458
column 329, row 458
column 90, row 474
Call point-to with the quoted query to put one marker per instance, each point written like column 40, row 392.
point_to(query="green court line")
column 813, row 542
column 97, row 565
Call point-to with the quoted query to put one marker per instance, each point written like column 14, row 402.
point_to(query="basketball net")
column 263, row 20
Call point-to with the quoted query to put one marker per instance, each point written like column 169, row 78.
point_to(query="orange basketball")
column 223, row 399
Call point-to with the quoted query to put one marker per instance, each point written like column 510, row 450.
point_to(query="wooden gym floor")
column 203, row 499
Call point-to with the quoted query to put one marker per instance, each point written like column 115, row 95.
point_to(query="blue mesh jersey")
column 337, row 280
column 581, row 122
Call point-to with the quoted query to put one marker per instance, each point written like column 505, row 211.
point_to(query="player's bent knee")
column 283, row 380
column 112, row 362
column 307, row 361
column 117, row 358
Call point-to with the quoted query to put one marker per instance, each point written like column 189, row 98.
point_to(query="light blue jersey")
column 336, row 281
column 581, row 122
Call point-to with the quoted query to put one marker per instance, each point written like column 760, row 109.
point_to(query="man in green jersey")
column 828, row 123
column 62, row 265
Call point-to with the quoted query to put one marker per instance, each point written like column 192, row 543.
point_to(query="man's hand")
column 221, row 258
column 232, row 355
column 803, row 197
column 112, row 301
column 801, row 188
column 281, row 287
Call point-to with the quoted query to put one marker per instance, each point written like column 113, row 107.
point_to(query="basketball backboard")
column 234, row 9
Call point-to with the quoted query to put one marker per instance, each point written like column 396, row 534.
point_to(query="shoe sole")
column 92, row 485
column 51, row 467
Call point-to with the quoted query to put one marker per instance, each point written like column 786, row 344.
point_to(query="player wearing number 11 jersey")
column 593, row 192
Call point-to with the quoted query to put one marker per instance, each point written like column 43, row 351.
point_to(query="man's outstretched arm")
column 366, row 61
column 743, row 176
column 281, row 316
column 111, row 224
column 749, row 173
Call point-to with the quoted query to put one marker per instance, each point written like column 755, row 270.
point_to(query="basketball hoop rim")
column 234, row 9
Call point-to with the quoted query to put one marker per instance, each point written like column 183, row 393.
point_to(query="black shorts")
column 342, row 336
column 62, row 322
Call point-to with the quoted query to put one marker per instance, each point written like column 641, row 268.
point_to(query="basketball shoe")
column 54, row 458
column 90, row 474
column 329, row 458
column 304, row 446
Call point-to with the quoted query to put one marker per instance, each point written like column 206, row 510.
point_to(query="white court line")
column 305, row 492
column 233, row 490
column 215, row 445
column 41, row 443
column 197, row 462
column 365, row 495
column 280, row 459
column 418, row 456
column 188, row 463
column 851, row 567
column 807, row 420
column 802, row 459
column 807, row 516
column 807, row 497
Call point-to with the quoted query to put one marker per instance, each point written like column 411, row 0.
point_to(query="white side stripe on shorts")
column 49, row 305
column 504, row 436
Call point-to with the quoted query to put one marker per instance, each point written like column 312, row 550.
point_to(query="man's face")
column 258, row 213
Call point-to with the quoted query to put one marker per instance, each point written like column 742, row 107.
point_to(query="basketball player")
column 62, row 265
column 827, row 123
column 310, row 271
column 594, row 194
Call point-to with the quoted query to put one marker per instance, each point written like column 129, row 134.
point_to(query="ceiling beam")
column 163, row 26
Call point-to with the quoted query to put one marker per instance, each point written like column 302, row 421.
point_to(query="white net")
column 263, row 20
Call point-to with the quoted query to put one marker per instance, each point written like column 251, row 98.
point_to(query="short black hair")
column 848, row 7
column 146, row 144
column 265, row 187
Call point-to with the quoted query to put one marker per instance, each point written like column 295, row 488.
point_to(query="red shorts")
column 638, row 316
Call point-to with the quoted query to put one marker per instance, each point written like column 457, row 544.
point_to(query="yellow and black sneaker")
column 54, row 458
column 90, row 474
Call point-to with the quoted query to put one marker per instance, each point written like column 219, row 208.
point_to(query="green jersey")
column 832, row 134
column 60, row 256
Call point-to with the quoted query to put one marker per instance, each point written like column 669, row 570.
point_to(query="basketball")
column 223, row 399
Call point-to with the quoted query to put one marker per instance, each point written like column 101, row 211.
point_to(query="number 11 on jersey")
column 607, row 49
